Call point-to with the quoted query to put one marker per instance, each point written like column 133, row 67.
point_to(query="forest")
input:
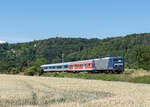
column 28, row 56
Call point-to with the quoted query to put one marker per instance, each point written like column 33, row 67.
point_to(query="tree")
column 37, row 65
column 143, row 57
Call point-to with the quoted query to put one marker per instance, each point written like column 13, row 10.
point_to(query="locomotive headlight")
column 118, row 65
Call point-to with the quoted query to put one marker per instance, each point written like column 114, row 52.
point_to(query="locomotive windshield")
column 118, row 60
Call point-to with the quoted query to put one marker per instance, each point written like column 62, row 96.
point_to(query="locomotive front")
column 118, row 64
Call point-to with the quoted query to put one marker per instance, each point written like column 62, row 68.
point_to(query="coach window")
column 85, row 65
column 71, row 66
column 66, row 66
column 59, row 67
column 45, row 67
column 89, row 65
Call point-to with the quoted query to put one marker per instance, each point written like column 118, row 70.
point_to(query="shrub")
column 55, row 74
column 14, row 71
column 30, row 71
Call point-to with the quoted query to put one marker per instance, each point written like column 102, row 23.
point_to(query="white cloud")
column 2, row 42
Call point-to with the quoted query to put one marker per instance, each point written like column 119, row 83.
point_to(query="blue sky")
column 27, row 20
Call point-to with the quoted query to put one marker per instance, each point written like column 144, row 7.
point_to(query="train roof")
column 57, row 64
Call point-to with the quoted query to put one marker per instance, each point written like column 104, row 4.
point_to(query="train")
column 100, row 65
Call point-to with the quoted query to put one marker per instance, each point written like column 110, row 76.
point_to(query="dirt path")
column 45, row 91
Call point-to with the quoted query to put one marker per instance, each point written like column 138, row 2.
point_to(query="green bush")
column 30, row 71
column 55, row 74
column 14, row 71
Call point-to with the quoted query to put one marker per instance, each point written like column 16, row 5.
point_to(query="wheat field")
column 25, row 91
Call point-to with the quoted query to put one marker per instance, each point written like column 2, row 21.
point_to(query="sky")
column 27, row 20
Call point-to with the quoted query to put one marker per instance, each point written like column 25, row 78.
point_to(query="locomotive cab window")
column 118, row 60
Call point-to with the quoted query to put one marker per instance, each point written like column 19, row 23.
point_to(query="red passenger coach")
column 81, row 66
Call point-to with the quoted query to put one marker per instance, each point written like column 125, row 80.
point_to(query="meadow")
column 27, row 91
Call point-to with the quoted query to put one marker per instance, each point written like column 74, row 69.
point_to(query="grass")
column 27, row 91
column 136, row 77
column 141, row 79
column 108, row 77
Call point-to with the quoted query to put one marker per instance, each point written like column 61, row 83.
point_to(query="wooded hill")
column 21, row 56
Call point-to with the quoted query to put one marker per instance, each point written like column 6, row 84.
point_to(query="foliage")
column 14, row 71
column 37, row 65
column 143, row 57
column 30, row 71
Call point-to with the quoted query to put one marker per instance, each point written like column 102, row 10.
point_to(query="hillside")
column 22, row 55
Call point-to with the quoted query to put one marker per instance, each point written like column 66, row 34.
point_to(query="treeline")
column 27, row 57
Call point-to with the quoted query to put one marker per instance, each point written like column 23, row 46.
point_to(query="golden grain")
column 24, row 91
